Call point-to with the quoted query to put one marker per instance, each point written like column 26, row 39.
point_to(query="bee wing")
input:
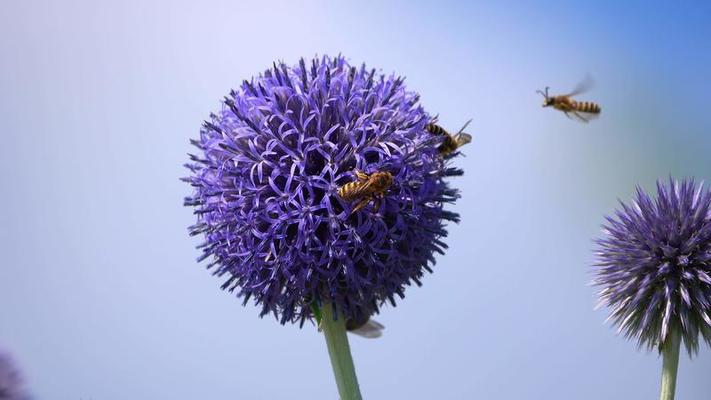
column 586, row 84
column 362, row 176
column 370, row 330
column 465, row 127
column 462, row 138
column 362, row 189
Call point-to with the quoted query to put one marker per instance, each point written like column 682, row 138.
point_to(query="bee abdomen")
column 588, row 107
column 348, row 190
column 435, row 129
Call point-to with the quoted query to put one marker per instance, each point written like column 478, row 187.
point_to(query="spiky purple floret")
column 654, row 265
column 266, row 178
column 11, row 381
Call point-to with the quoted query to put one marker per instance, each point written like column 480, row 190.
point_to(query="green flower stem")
column 340, row 353
column 317, row 314
column 670, row 354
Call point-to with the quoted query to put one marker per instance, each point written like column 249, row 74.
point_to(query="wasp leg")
column 567, row 115
column 362, row 176
column 360, row 205
column 580, row 116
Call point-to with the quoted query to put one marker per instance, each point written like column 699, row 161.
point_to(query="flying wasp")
column 583, row 110
column 366, row 188
column 451, row 142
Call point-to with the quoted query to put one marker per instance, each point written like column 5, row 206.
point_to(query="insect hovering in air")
column 584, row 111
column 366, row 188
column 451, row 142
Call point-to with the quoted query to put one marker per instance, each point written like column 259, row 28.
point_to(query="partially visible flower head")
column 11, row 381
column 266, row 183
column 654, row 265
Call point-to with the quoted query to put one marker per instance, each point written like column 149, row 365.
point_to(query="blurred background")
column 100, row 294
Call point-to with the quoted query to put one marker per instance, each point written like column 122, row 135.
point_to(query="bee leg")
column 362, row 176
column 376, row 203
column 360, row 205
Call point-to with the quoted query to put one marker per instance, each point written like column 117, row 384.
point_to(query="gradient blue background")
column 100, row 296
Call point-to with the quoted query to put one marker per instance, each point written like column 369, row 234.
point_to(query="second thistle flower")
column 654, row 265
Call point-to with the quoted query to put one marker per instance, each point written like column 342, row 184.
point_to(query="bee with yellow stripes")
column 366, row 188
column 451, row 142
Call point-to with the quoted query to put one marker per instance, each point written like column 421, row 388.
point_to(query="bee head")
column 547, row 100
column 383, row 179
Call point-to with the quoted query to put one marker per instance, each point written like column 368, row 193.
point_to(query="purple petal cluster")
column 11, row 381
column 265, row 183
column 654, row 265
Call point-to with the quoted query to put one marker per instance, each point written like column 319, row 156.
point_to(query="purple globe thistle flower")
column 654, row 265
column 266, row 184
column 11, row 381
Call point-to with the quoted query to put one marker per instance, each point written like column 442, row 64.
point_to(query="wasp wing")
column 586, row 84
column 370, row 330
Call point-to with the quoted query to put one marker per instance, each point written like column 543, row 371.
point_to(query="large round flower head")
column 11, row 381
column 266, row 189
column 654, row 265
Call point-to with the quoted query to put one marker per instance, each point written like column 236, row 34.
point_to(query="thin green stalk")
column 317, row 314
column 670, row 364
column 340, row 353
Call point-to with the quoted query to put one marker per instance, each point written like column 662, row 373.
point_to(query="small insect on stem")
column 366, row 188
column 365, row 327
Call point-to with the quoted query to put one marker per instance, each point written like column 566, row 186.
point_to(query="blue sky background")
column 100, row 296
